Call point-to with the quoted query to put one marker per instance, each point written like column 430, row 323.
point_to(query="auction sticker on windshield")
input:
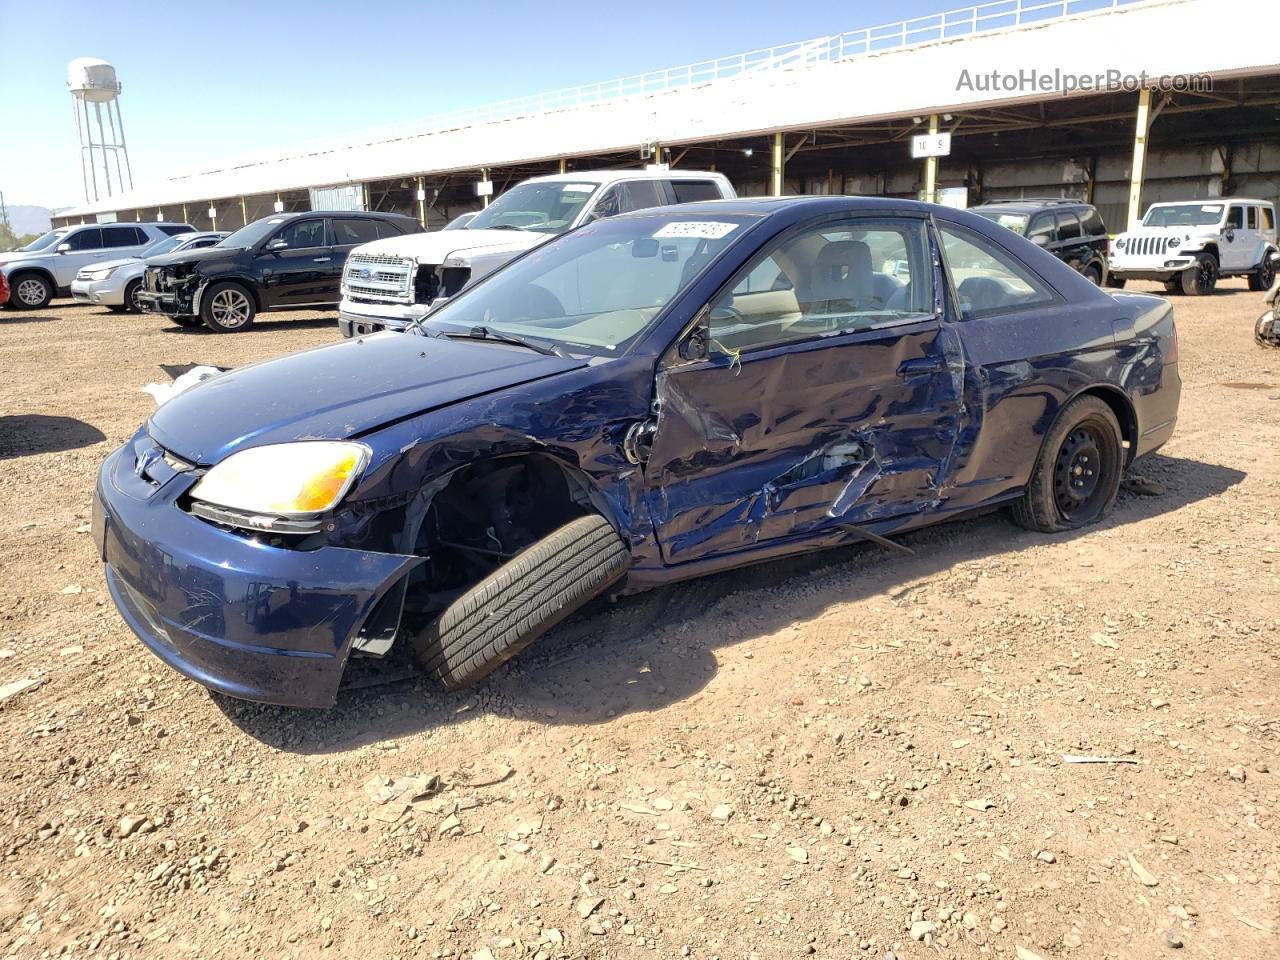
column 697, row 229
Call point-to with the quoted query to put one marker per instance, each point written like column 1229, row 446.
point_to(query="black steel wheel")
column 1199, row 280
column 1077, row 476
column 1262, row 278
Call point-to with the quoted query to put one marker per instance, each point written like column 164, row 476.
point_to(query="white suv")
column 388, row 284
column 1190, row 245
column 45, row 268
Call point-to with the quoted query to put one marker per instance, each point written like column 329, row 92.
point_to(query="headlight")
column 1121, row 243
column 286, row 479
column 101, row 274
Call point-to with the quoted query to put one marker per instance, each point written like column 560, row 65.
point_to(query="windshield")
column 162, row 246
column 48, row 240
column 258, row 230
column 597, row 289
column 540, row 207
column 1017, row 222
column 1184, row 215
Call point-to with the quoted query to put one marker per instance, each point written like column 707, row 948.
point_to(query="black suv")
column 282, row 262
column 1071, row 230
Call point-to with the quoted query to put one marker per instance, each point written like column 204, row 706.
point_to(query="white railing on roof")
column 934, row 28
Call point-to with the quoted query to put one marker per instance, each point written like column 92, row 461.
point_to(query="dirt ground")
column 854, row 755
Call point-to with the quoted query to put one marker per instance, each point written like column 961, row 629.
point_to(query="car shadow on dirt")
column 260, row 325
column 641, row 653
column 12, row 316
column 30, row 433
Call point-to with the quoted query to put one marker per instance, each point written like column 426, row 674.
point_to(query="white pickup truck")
column 1190, row 245
column 390, row 283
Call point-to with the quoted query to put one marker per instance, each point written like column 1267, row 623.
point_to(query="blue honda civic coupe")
column 649, row 398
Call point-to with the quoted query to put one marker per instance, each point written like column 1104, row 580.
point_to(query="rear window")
column 354, row 231
column 691, row 191
column 1092, row 223
column 1068, row 226
column 385, row 228
column 1268, row 218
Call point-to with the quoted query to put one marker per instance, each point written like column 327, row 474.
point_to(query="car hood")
column 15, row 255
column 338, row 392
column 111, row 264
column 194, row 256
column 435, row 247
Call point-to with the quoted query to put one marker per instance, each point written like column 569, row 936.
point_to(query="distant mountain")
column 28, row 219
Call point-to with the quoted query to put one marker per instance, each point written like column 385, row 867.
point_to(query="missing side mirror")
column 694, row 346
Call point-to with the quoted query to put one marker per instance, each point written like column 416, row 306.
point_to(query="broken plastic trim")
column 255, row 521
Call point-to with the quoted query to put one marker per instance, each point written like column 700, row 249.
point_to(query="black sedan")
column 649, row 398
column 283, row 262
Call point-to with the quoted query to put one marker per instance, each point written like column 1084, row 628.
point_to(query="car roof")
column 766, row 206
column 612, row 176
column 1032, row 206
column 1211, row 201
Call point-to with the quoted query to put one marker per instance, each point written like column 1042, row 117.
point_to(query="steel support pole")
column 931, row 167
column 102, row 148
column 484, row 175
column 564, row 165
column 1138, row 170
column 776, row 163
column 244, row 213
column 422, row 203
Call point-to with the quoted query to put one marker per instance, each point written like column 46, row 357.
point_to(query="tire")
column 1115, row 283
column 1093, row 273
column 1264, row 276
column 1061, row 495
column 188, row 321
column 514, row 605
column 29, row 291
column 227, row 308
column 131, row 304
column 1173, row 285
column 1199, row 281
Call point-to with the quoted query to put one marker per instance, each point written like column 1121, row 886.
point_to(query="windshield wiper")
column 497, row 226
column 485, row 333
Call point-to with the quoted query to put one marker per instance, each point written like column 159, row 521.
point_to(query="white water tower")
column 93, row 83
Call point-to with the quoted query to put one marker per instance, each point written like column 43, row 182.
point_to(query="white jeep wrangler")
column 1189, row 245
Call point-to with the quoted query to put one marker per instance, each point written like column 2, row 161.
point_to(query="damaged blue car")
column 651, row 397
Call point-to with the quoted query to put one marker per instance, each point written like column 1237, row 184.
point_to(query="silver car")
column 115, row 283
column 46, row 267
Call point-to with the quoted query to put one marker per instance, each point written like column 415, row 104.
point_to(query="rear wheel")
column 509, row 609
column 30, row 291
column 1093, row 273
column 1199, row 280
column 227, row 308
column 1265, row 275
column 1115, row 283
column 1077, row 476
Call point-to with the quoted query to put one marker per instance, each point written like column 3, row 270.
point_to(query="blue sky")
column 224, row 77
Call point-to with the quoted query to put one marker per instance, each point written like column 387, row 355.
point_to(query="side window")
column 609, row 204
column 641, row 195
column 1093, row 225
column 302, row 234
column 1042, row 226
column 1235, row 217
column 354, row 231
column 202, row 242
column 120, row 237
column 173, row 229
column 835, row 278
column 1068, row 226
column 90, row 239
column 1268, row 218
column 987, row 279
column 691, row 191
column 1253, row 218
column 385, row 228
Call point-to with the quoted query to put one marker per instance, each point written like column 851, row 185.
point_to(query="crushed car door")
column 828, row 393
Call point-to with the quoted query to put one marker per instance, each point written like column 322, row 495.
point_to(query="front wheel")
column 1200, row 279
column 227, row 308
column 1093, row 273
column 131, row 292
column 1262, row 278
column 29, row 291
column 1077, row 477
column 518, row 602
column 1115, row 283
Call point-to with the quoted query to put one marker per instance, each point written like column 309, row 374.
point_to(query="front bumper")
column 241, row 617
column 106, row 292
column 1150, row 268
column 355, row 319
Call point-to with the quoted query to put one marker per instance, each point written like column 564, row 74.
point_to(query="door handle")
column 920, row 366
column 323, row 259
